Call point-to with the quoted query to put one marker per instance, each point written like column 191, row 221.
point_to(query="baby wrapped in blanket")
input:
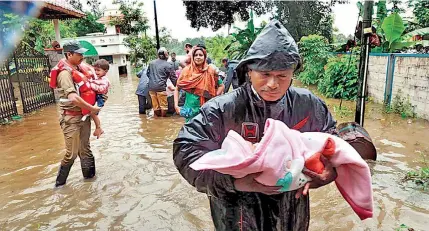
column 283, row 153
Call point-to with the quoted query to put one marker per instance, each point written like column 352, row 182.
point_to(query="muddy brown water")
column 138, row 187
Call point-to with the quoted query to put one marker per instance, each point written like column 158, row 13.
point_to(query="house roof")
column 59, row 9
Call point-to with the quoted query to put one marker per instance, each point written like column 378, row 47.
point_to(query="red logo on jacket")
column 250, row 131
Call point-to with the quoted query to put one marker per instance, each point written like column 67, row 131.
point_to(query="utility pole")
column 156, row 26
column 363, row 63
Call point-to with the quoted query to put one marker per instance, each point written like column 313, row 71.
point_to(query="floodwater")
column 138, row 188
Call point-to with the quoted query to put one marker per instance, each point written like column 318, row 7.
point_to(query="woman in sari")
column 200, row 83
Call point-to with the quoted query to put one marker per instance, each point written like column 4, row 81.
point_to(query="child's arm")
column 100, row 85
column 98, row 131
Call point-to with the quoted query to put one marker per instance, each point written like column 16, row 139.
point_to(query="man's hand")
column 98, row 132
column 95, row 109
column 318, row 180
column 249, row 184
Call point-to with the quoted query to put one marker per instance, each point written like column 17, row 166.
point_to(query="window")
column 109, row 58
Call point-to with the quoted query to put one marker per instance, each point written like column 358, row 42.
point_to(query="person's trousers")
column 159, row 100
column 144, row 103
column 76, row 136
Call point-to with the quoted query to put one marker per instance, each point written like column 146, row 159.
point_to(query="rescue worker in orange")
column 75, row 129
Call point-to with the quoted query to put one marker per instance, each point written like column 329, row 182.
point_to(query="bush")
column 315, row 53
column 402, row 106
column 340, row 79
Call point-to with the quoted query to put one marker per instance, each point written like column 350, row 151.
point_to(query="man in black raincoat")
column 267, row 71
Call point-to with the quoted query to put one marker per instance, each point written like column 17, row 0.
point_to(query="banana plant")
column 243, row 39
column 393, row 28
column 421, row 32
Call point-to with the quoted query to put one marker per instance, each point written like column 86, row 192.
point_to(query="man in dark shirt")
column 159, row 71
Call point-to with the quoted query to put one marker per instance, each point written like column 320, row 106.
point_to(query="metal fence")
column 33, row 78
column 7, row 98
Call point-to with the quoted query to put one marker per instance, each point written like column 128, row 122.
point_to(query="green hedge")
column 340, row 78
column 315, row 52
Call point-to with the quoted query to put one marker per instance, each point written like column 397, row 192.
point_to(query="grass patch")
column 343, row 112
column 401, row 106
column 420, row 176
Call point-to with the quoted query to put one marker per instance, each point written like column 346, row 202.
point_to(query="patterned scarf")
column 201, row 81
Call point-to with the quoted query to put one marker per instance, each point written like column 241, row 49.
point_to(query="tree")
column 216, row 14
column 420, row 11
column 164, row 36
column 142, row 49
column 340, row 38
column 216, row 48
column 95, row 8
column 76, row 4
column 243, row 39
column 87, row 25
column 303, row 18
column 175, row 46
column 133, row 21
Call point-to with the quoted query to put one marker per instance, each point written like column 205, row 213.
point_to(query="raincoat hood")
column 274, row 49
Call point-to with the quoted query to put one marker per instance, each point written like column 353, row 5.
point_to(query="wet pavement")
column 138, row 187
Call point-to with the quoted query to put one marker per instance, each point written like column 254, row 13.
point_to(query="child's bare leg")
column 98, row 131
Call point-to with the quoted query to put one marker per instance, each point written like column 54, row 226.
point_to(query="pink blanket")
column 283, row 153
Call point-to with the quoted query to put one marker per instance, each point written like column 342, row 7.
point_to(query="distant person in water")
column 159, row 71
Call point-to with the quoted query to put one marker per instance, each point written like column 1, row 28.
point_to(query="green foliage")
column 39, row 33
column 216, row 14
column 422, row 32
column 340, row 79
column 420, row 11
column 420, row 176
column 393, row 28
column 340, row 38
column 303, row 18
column 216, row 48
column 403, row 227
column 142, row 49
column 380, row 16
column 402, row 106
column 243, row 39
column 132, row 12
column 342, row 112
column 86, row 25
column 315, row 52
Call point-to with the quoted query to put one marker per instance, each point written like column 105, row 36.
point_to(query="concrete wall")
column 404, row 74
column 377, row 77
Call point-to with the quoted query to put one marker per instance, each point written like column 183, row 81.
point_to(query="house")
column 110, row 44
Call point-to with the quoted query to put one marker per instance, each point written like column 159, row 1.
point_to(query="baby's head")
column 101, row 67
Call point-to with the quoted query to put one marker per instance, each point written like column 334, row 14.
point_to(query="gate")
column 33, row 78
column 7, row 97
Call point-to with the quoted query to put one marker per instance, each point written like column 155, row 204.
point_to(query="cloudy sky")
column 171, row 14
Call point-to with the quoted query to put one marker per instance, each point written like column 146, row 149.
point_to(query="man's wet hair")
column 103, row 64
column 188, row 45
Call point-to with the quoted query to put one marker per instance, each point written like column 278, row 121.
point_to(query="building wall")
column 377, row 77
column 107, row 45
column 409, row 79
